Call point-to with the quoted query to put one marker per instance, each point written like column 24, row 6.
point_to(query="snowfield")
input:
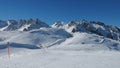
column 60, row 50
column 60, row 59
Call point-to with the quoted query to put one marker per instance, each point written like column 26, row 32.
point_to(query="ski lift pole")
column 8, row 50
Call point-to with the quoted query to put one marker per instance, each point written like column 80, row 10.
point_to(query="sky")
column 49, row 11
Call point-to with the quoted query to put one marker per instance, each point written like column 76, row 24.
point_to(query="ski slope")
column 48, row 58
column 88, row 42
column 32, row 39
column 61, row 50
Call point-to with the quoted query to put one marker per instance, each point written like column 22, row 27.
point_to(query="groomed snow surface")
column 61, row 50
column 60, row 59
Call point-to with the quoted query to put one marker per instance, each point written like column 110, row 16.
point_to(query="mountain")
column 98, row 28
column 22, row 25
column 77, row 44
column 32, row 32
column 34, row 44
column 58, row 24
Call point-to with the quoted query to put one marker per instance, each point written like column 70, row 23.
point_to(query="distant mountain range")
column 91, row 27
column 22, row 25
column 98, row 28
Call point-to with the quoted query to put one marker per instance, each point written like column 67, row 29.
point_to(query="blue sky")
column 49, row 11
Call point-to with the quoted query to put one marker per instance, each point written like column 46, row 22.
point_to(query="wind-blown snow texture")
column 74, row 45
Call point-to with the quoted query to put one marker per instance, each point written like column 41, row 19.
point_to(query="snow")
column 60, row 59
column 60, row 48
column 33, row 38
column 98, row 26
column 69, row 53
column 21, row 25
column 88, row 42
column 58, row 24
column 24, row 27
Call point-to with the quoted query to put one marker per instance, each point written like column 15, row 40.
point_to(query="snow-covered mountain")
column 30, row 33
column 22, row 25
column 58, row 24
column 34, row 44
column 98, row 28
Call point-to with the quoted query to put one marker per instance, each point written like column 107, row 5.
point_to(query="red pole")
column 8, row 50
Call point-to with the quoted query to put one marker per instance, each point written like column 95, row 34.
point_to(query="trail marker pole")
column 8, row 50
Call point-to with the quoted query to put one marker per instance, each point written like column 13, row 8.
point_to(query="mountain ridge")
column 99, row 28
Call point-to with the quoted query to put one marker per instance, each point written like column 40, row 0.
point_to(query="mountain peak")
column 58, row 24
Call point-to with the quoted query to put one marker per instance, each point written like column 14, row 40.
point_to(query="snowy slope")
column 80, row 51
column 88, row 42
column 32, row 39
column 45, row 58
column 59, row 37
